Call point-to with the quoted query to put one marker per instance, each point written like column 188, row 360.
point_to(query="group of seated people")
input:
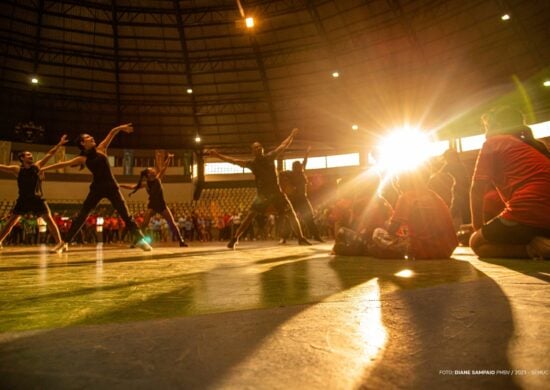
column 509, row 202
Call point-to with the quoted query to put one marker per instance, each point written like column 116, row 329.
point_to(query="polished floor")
column 266, row 316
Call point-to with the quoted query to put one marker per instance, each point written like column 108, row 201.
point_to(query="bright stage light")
column 354, row 127
column 34, row 80
column 249, row 22
column 335, row 75
column 403, row 150
column 505, row 17
column 546, row 83
column 189, row 90
column 197, row 139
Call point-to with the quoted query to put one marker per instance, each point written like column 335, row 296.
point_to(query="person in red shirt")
column 421, row 226
column 519, row 168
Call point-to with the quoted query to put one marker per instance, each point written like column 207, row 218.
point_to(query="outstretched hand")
column 64, row 139
column 127, row 128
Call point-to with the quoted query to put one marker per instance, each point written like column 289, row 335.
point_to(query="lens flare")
column 404, row 149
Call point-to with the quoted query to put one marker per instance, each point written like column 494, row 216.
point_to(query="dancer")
column 267, row 184
column 156, row 204
column 29, row 182
column 519, row 168
column 298, row 195
column 103, row 184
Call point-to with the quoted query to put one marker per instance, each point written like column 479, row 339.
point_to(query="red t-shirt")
column 521, row 175
column 429, row 223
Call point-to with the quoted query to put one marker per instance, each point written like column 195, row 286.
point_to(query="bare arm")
column 52, row 151
column 477, row 192
column 304, row 162
column 162, row 171
column 285, row 144
column 128, row 186
column 13, row 169
column 127, row 128
column 223, row 157
column 72, row 162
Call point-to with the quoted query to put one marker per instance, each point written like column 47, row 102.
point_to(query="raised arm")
column 52, row 151
column 78, row 160
column 126, row 128
column 162, row 171
column 223, row 157
column 13, row 169
column 304, row 162
column 285, row 144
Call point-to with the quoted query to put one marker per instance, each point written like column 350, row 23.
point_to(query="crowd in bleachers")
column 214, row 217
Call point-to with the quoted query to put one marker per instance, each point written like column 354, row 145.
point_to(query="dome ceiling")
column 425, row 62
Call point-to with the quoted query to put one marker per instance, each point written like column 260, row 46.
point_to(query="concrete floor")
column 269, row 317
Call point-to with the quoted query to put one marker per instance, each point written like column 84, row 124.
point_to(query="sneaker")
column 282, row 241
column 539, row 248
column 142, row 244
column 232, row 243
column 183, row 244
column 303, row 241
column 60, row 248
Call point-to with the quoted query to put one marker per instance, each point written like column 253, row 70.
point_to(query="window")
column 343, row 160
column 221, row 168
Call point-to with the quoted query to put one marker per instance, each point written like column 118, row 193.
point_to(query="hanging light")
column 249, row 22
column 189, row 91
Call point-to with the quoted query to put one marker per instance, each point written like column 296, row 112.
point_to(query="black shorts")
column 34, row 205
column 157, row 207
column 503, row 231
column 277, row 200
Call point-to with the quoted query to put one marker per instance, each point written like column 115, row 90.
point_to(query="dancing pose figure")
column 29, row 182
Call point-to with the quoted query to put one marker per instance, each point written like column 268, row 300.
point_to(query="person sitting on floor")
column 368, row 212
column 421, row 226
column 519, row 168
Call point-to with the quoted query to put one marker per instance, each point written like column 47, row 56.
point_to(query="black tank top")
column 154, row 189
column 29, row 183
column 98, row 164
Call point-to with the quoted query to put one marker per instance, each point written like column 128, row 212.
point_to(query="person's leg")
column 167, row 214
column 485, row 249
column 89, row 204
column 116, row 199
column 54, row 231
column 307, row 214
column 242, row 228
column 9, row 226
column 146, row 219
column 284, row 207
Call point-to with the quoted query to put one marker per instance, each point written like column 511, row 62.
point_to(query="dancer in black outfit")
column 29, row 182
column 298, row 195
column 103, row 184
column 267, row 184
column 156, row 203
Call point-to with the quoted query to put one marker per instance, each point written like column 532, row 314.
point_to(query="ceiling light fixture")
column 335, row 74
column 354, row 127
column 546, row 83
column 505, row 17
column 34, row 80
column 189, row 90
column 249, row 22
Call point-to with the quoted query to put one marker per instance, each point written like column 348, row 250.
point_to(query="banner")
column 128, row 162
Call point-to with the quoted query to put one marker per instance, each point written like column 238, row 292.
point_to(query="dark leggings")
column 303, row 206
column 91, row 201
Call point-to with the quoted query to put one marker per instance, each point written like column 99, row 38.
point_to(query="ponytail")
column 139, row 184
